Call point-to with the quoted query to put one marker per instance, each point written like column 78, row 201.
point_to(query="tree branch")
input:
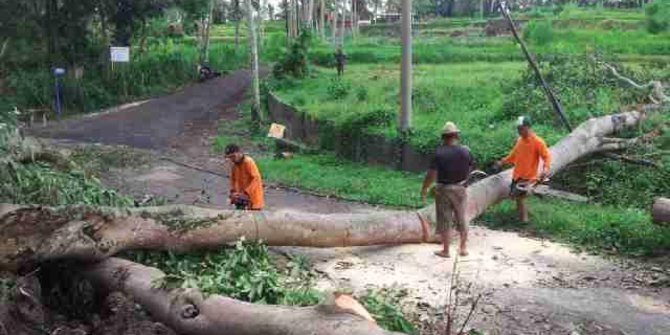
column 190, row 312
column 657, row 94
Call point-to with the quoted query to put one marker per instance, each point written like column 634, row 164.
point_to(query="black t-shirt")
column 453, row 163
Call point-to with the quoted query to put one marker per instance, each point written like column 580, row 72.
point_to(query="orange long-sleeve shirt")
column 526, row 156
column 245, row 178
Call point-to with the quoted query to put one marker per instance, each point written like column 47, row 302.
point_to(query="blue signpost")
column 58, row 92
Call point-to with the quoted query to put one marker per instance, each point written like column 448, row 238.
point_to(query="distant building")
column 387, row 17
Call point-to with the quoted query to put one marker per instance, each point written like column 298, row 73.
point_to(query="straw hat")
column 450, row 128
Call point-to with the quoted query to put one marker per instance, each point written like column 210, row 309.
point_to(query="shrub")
column 539, row 32
column 338, row 89
column 295, row 62
column 361, row 93
column 658, row 16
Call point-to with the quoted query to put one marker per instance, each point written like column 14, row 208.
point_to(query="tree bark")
column 405, row 120
column 660, row 211
column 310, row 14
column 207, row 30
column 253, row 47
column 35, row 234
column 344, row 18
column 189, row 312
column 353, row 19
column 322, row 19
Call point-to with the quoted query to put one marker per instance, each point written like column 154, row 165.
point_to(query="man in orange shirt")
column 525, row 156
column 246, row 185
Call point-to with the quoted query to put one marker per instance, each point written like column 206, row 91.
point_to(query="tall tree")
column 343, row 18
column 253, row 48
column 406, row 68
column 209, row 21
column 322, row 19
column 237, row 16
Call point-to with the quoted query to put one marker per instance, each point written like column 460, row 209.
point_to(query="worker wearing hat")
column 525, row 156
column 450, row 167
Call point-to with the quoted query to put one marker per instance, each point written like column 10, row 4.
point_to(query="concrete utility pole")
column 406, row 67
column 256, row 105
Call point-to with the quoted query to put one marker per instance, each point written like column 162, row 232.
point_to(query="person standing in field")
column 340, row 60
column 451, row 167
column 246, row 184
column 525, row 156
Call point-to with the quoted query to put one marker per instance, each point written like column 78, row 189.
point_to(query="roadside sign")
column 119, row 54
column 276, row 131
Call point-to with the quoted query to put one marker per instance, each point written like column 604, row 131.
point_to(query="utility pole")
column 256, row 104
column 406, row 68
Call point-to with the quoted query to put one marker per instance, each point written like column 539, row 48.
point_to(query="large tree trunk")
column 310, row 14
column 36, row 234
column 189, row 312
column 660, row 211
column 405, row 119
column 253, row 48
column 210, row 17
column 322, row 19
column 344, row 18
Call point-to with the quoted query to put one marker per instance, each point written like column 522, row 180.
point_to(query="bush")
column 585, row 88
column 658, row 16
column 361, row 93
column 539, row 32
column 338, row 89
column 295, row 61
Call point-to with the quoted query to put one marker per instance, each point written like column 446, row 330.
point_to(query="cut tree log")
column 660, row 211
column 34, row 234
column 189, row 312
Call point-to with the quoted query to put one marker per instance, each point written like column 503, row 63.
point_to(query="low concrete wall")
column 368, row 148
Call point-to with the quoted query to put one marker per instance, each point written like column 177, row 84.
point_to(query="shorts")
column 518, row 188
column 450, row 204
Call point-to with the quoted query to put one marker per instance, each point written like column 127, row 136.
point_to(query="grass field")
column 470, row 94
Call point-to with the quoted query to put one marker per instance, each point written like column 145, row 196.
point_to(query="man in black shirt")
column 450, row 166
column 340, row 59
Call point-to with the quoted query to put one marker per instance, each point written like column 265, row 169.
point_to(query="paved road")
column 155, row 123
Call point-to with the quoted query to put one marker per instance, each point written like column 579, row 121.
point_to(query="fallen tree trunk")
column 29, row 235
column 660, row 211
column 34, row 234
column 588, row 138
column 189, row 312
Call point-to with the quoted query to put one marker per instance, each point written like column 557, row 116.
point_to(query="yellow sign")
column 276, row 130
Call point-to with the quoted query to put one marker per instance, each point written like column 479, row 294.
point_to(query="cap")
column 523, row 121
column 450, row 128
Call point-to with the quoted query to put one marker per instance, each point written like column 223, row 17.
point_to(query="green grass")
column 328, row 175
column 576, row 31
column 468, row 94
column 590, row 226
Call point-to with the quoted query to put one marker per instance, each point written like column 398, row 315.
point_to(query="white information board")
column 119, row 54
